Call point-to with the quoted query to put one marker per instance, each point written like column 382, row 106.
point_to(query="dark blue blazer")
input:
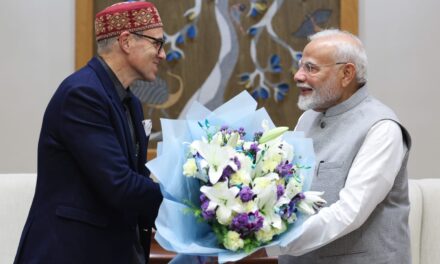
column 90, row 194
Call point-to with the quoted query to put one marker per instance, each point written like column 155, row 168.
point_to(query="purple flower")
column 257, row 136
column 284, row 169
column 247, row 223
column 227, row 172
column 298, row 197
column 203, row 198
column 241, row 132
column 280, row 190
column 253, row 149
column 237, row 162
column 224, row 128
column 207, row 214
column 292, row 205
column 246, row 194
column 286, row 211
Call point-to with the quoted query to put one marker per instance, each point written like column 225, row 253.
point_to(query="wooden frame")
column 84, row 26
column 83, row 32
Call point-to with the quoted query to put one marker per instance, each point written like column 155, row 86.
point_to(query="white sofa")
column 16, row 192
column 424, row 220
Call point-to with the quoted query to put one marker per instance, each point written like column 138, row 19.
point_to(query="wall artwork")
column 215, row 49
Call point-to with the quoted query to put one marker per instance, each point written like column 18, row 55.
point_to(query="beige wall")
column 37, row 52
column 402, row 38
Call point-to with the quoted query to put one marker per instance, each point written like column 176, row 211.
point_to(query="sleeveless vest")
column 337, row 135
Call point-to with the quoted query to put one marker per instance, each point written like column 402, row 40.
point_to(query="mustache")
column 303, row 85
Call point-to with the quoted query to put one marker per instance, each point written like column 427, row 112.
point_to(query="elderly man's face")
column 318, row 77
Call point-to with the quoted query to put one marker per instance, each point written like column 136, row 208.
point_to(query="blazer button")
column 323, row 124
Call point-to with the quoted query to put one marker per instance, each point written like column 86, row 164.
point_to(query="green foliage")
column 250, row 244
column 193, row 209
column 219, row 231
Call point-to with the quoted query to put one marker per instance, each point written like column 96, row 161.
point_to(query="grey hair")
column 105, row 45
column 347, row 51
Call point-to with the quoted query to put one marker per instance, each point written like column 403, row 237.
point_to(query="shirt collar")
column 120, row 90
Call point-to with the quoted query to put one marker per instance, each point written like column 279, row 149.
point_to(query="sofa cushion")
column 415, row 219
column 16, row 193
column 430, row 232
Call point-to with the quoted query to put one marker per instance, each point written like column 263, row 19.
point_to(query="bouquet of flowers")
column 250, row 190
column 244, row 181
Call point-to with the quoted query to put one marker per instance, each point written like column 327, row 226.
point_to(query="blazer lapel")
column 107, row 83
column 139, row 131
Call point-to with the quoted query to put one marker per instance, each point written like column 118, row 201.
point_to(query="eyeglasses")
column 157, row 42
column 312, row 68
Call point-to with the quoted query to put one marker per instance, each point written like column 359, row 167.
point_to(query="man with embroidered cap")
column 362, row 151
column 94, row 201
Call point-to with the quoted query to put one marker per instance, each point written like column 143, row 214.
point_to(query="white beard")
column 320, row 98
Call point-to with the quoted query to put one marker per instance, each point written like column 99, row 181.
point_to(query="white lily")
column 217, row 139
column 311, row 203
column 233, row 139
column 292, row 189
column 271, row 154
column 261, row 183
column 266, row 201
column 247, row 207
column 287, row 151
column 224, row 199
column 217, row 157
column 243, row 175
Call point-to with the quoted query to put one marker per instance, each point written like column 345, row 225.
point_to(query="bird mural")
column 312, row 22
column 156, row 95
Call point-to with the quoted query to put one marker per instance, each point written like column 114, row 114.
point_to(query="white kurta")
column 369, row 180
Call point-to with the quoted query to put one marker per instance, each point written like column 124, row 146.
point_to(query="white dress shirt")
column 369, row 180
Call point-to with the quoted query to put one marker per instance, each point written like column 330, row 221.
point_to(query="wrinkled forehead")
column 320, row 51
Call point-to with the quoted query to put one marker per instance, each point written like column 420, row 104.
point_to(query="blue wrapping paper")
column 178, row 230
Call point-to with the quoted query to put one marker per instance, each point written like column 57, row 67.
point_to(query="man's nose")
column 162, row 54
column 300, row 75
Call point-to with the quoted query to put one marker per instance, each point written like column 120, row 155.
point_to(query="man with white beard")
column 361, row 152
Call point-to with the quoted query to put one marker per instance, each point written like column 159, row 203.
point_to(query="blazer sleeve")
column 87, row 128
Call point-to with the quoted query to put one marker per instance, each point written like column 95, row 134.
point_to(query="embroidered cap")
column 130, row 16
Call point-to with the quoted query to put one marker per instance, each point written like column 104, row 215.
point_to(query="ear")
column 124, row 41
column 349, row 74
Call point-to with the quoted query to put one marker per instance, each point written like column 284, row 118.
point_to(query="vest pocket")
column 81, row 215
column 322, row 166
column 330, row 178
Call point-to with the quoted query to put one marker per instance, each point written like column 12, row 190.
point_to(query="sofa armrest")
column 16, row 193
column 415, row 219
column 430, row 231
